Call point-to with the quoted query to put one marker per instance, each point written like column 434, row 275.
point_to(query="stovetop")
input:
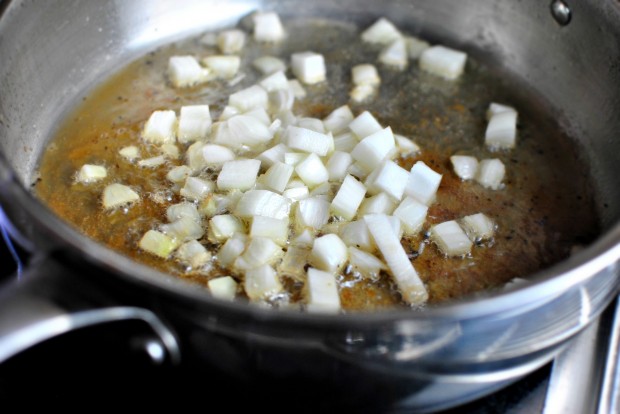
column 106, row 364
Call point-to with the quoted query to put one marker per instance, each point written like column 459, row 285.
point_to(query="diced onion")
column 308, row 141
column 361, row 93
column 348, row 198
column 222, row 227
column 160, row 127
column 223, row 287
column 178, row 211
column 312, row 171
column 378, row 204
column 382, row 32
column 274, row 81
column 311, row 213
column 277, row 176
column 406, row 147
column 249, row 98
column 338, row 164
column 269, row 64
column 273, row 155
column 222, row 66
column 239, row 174
column 260, row 251
column 262, row 203
column 262, row 283
column 423, row 183
column 183, row 229
column 415, row 46
column 495, row 108
column 389, row 178
column 185, row 71
column 193, row 253
column 196, row 188
column 373, row 149
column 152, row 162
column 322, row 292
column 116, row 195
column 443, row 61
column 157, row 243
column 491, row 173
column 409, row 284
column 267, row 27
column 231, row 41
column 91, row 173
column 364, row 125
column 451, row 239
column 365, row 263
column 395, row 54
column 232, row 249
column 130, row 153
column 365, row 74
column 271, row 228
column 338, row 120
column 294, row 262
column 501, row 131
column 465, row 167
column 412, row 215
column 179, row 174
column 308, row 67
column 478, row 227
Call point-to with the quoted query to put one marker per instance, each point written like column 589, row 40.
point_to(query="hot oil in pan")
column 545, row 209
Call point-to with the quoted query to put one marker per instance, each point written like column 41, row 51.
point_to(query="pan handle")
column 32, row 311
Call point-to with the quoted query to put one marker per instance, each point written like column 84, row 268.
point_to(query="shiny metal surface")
column 53, row 52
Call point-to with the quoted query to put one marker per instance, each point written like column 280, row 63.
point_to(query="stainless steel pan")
column 52, row 52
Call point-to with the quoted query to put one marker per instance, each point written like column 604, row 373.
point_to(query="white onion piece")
column 271, row 228
column 277, row 176
column 262, row 203
column 451, row 239
column 247, row 130
column 311, row 213
column 238, row 174
column 357, row 170
column 224, row 287
column 273, row 155
column 216, row 155
column 365, row 125
column 338, row 164
column 345, row 142
column 196, row 188
column 395, row 55
column 365, row 263
column 275, row 81
column 465, row 166
column 296, row 88
column 91, row 173
column 443, row 61
column 183, row 229
column 262, row 283
column 231, row 41
column 325, row 191
column 409, row 284
column 365, row 74
column 313, row 124
column 157, row 243
column 415, row 46
column 389, row 178
column 294, row 262
column 328, row 253
column 223, row 227
column 373, row 149
column 312, row 171
column 478, row 227
column 406, row 147
column 249, row 98
column 130, row 153
column 338, row 120
column 185, row 71
column 152, row 162
column 356, row 234
column 495, row 108
column 501, row 132
column 294, row 158
column 322, row 292
column 170, row 151
column 378, row 204
column 160, row 127
column 260, row 251
column 348, row 198
column 423, row 183
column 116, row 195
column 308, row 67
column 267, row 27
column 412, row 215
column 179, row 174
column 381, row 32
column 296, row 193
column 222, row 66
column 232, row 249
column 304, row 239
column 193, row 254
column 209, row 39
column 180, row 210
column 228, row 112
column 361, row 93
column 491, row 173
column 281, row 100
column 269, row 64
